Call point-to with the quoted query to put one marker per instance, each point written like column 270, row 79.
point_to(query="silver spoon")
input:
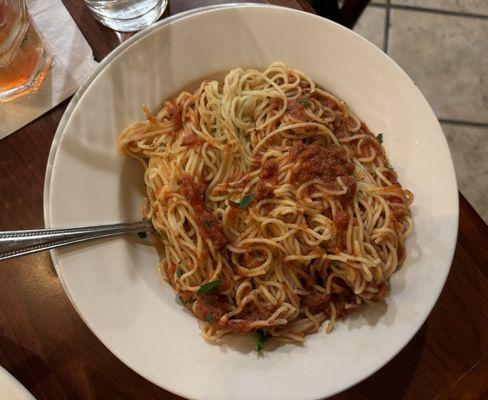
column 20, row 243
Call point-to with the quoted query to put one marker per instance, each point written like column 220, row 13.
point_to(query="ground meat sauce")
column 338, row 243
column 313, row 161
column 233, row 215
column 211, row 307
column 276, row 103
column 190, row 139
column 171, row 273
column 252, row 260
column 391, row 176
column 249, row 314
column 187, row 296
column 323, row 275
column 350, row 184
column 400, row 252
column 399, row 212
column 241, row 326
column 328, row 102
column 297, row 108
column 398, row 209
column 340, row 129
column 340, row 305
column 225, row 280
column 369, row 146
column 176, row 113
column 268, row 180
column 237, row 180
column 209, row 225
column 341, row 222
column 383, row 291
column 305, row 86
column 316, row 302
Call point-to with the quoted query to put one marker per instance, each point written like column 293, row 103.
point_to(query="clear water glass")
column 127, row 15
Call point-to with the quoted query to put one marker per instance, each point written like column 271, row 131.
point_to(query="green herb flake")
column 335, row 263
column 260, row 337
column 179, row 272
column 183, row 302
column 304, row 102
column 142, row 235
column 379, row 137
column 245, row 201
column 209, row 318
column 209, row 288
column 159, row 235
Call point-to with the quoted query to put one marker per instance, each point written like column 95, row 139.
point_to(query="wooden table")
column 47, row 347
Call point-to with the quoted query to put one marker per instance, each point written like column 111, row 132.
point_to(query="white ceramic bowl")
column 11, row 388
column 114, row 284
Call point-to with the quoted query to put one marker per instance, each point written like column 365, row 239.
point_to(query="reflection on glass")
column 24, row 59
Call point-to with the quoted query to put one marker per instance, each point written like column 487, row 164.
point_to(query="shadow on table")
column 393, row 380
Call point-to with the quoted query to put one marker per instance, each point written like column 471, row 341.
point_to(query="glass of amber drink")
column 24, row 59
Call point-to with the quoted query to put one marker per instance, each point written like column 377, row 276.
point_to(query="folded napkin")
column 72, row 63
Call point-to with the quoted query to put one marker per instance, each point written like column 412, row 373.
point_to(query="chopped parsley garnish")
column 179, row 272
column 334, row 262
column 142, row 235
column 261, row 337
column 245, row 201
column 209, row 288
column 180, row 298
column 379, row 137
column 209, row 318
column 304, row 102
column 159, row 235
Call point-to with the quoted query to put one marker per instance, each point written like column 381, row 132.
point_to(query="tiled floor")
column 443, row 46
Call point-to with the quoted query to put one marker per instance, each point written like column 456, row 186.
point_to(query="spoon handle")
column 19, row 243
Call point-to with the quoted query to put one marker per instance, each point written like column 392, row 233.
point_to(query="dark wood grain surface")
column 47, row 347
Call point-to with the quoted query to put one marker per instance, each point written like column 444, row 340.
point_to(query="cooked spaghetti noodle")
column 276, row 208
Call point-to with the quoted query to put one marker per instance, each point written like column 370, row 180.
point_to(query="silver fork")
column 19, row 243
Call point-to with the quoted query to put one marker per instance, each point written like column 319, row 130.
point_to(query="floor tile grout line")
column 388, row 6
column 430, row 10
column 386, row 31
column 440, row 11
column 474, row 124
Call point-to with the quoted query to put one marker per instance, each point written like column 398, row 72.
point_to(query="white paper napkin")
column 72, row 63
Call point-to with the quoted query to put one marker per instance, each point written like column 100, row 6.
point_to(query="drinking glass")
column 127, row 15
column 24, row 58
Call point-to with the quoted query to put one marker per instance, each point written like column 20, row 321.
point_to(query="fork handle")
column 19, row 243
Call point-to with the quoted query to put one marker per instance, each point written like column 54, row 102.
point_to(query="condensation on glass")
column 24, row 58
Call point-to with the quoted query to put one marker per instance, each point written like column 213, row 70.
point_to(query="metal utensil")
column 19, row 243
